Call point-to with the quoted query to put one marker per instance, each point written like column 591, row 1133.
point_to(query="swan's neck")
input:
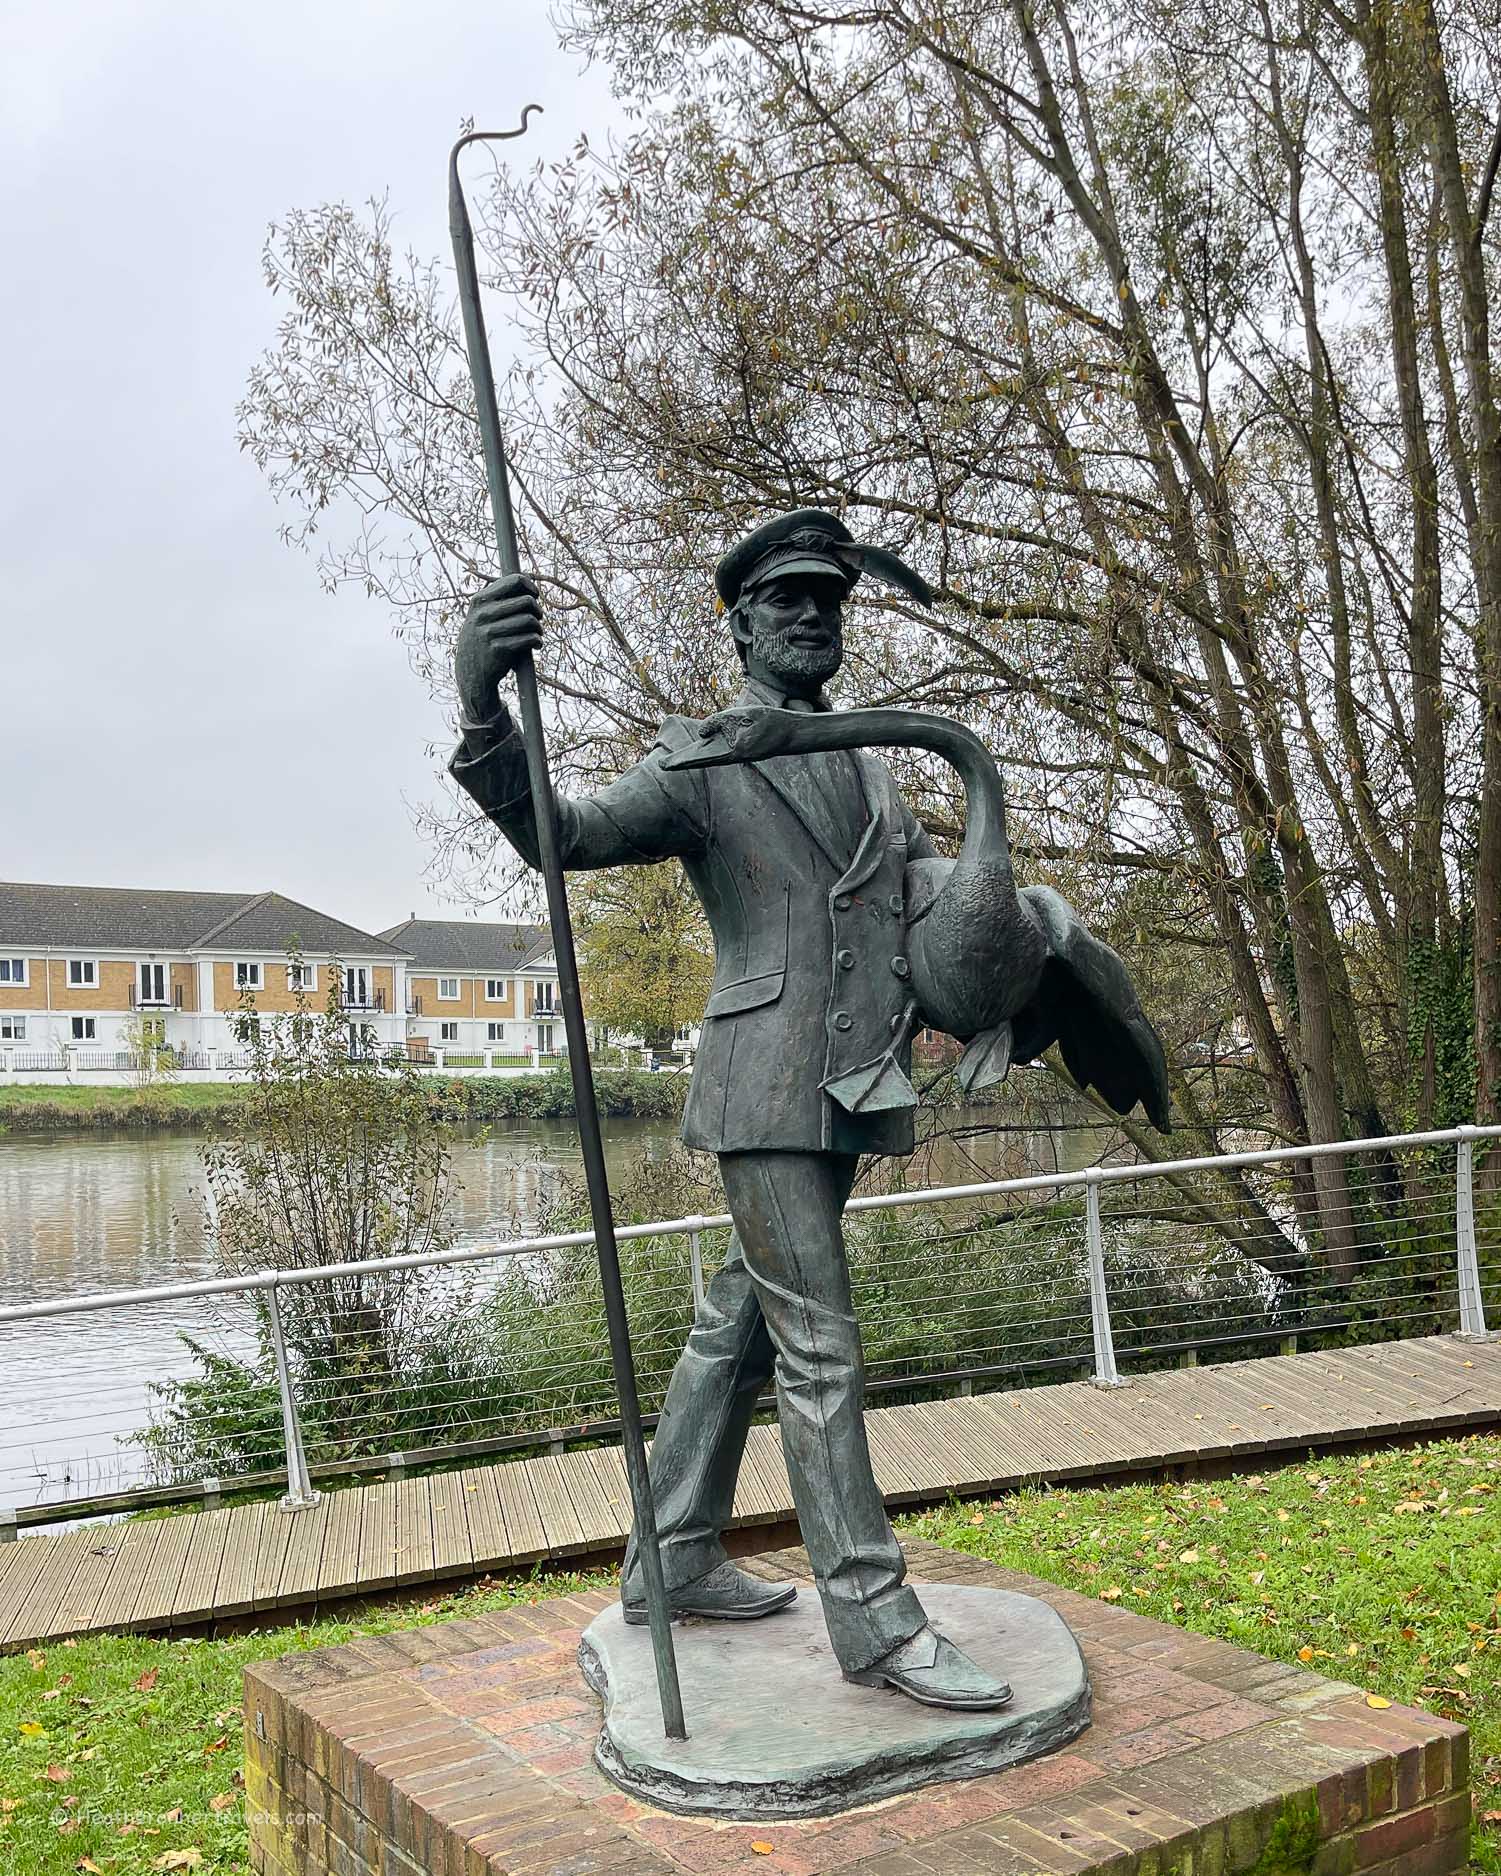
column 984, row 796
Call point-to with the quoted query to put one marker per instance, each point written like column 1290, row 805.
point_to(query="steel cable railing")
column 351, row 1368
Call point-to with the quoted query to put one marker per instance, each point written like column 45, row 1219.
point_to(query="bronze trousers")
column 781, row 1305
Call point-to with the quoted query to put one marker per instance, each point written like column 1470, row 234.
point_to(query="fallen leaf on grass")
column 1377, row 1700
column 1305, row 1654
column 217, row 1745
column 147, row 1681
column 31, row 1729
column 88, row 1863
column 174, row 1816
column 221, row 1800
column 59, row 1774
column 36, row 1659
column 1113, row 1594
column 1188, row 1556
column 178, row 1859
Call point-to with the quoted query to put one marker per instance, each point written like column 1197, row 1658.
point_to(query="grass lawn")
column 167, row 1104
column 122, row 1754
column 1382, row 1570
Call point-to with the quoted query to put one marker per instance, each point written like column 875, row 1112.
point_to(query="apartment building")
column 93, row 968
column 475, row 989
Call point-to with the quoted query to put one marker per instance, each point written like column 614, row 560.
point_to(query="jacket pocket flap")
column 749, row 993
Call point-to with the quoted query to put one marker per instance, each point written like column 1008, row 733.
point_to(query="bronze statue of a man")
column 800, row 864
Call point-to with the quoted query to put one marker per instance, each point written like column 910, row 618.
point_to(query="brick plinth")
column 466, row 1750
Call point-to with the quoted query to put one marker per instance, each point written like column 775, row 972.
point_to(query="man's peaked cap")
column 810, row 541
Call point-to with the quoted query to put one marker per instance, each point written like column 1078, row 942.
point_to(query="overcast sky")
column 184, row 706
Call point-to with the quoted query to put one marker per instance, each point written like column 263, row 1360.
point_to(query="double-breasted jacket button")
column 846, row 958
column 896, row 903
column 900, row 965
column 843, row 1020
column 842, row 902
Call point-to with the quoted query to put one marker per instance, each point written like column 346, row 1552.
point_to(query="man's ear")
column 738, row 619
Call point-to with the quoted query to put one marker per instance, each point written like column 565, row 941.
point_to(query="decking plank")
column 156, row 1594
column 608, row 1464
column 488, row 1537
column 297, row 1573
column 132, row 1567
column 525, row 1531
column 194, row 1601
column 597, row 1520
column 74, row 1615
column 453, row 1554
column 413, row 1558
column 889, row 1458
column 339, row 1562
column 273, row 1539
column 32, row 1620
column 376, row 1568
column 564, row 1528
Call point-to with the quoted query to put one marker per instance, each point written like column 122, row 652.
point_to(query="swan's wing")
column 1086, row 1003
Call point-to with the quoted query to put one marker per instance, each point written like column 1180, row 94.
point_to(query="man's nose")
column 810, row 613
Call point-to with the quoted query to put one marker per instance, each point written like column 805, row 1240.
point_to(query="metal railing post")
column 696, row 1260
column 300, row 1495
column 1471, row 1299
column 1105, row 1371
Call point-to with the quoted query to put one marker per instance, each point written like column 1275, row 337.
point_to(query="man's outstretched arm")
column 647, row 814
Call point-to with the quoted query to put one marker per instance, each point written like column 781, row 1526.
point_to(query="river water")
column 103, row 1212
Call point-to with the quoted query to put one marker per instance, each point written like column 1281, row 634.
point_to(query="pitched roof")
column 465, row 944
column 102, row 918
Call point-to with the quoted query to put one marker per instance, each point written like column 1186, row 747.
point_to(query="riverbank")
column 624, row 1094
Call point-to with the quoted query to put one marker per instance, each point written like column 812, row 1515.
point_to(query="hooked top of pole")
column 489, row 136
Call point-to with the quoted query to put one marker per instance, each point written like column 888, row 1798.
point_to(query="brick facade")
column 466, row 1750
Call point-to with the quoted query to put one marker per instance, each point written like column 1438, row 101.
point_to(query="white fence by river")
column 354, row 1369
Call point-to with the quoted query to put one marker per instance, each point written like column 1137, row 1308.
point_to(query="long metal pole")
column 544, row 808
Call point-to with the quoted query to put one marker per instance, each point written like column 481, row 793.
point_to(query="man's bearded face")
column 796, row 625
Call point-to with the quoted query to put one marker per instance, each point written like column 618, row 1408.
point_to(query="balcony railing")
column 414, row 1006
column 170, row 1000
column 364, row 999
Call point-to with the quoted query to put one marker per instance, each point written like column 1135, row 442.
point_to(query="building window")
column 497, row 1032
column 302, row 977
column 12, row 1028
column 153, row 983
column 12, row 970
column 356, row 987
column 495, row 989
column 544, row 996
column 544, row 1038
column 448, row 989
column 448, row 1032
column 83, row 973
column 247, row 976
column 83, row 1029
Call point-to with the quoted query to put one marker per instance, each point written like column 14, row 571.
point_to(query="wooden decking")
column 178, row 1572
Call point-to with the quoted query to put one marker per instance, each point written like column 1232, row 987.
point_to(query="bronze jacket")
column 806, row 906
